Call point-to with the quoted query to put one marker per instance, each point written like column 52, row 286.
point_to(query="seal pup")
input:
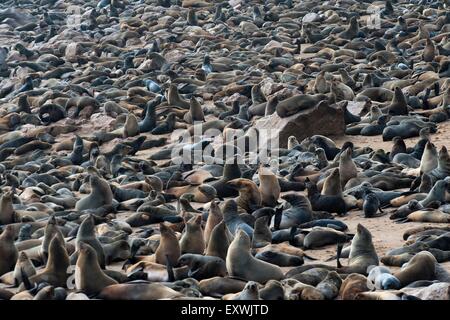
column 240, row 263
column 371, row 204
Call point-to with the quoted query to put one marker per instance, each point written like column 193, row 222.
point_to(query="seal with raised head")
column 89, row 277
column 100, row 195
column 240, row 263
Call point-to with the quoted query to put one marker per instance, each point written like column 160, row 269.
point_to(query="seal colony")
column 100, row 201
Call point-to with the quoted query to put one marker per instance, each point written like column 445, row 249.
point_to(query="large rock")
column 322, row 119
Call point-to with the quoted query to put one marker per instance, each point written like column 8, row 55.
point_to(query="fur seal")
column 240, row 263
column 262, row 235
column 168, row 248
column 269, row 187
column 131, row 127
column 195, row 113
column 214, row 218
column 138, row 291
column 89, row 277
column 232, row 219
column 192, row 240
column 297, row 103
column 8, row 250
column 250, row 292
column 321, row 202
column 203, row 267
column 300, row 212
column 55, row 272
column 100, row 195
column 218, row 241
column 86, row 234
column 7, row 213
column 421, row 267
column 249, row 195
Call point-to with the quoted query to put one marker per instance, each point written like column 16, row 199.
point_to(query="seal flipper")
column 26, row 281
column 401, row 220
column 338, row 255
column 292, row 235
column 277, row 219
column 169, row 267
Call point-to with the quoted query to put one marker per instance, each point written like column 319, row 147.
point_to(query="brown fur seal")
column 332, row 184
column 242, row 264
column 219, row 286
column 86, row 234
column 195, row 113
column 168, row 246
column 174, row 98
column 8, row 250
column 398, row 104
column 218, row 241
column 192, row 240
column 269, row 187
column 89, row 277
column 214, row 218
column 321, row 236
column 100, row 195
column 51, row 230
column 347, row 168
column 23, row 266
column 7, row 214
column 131, row 127
column 203, row 267
column 352, row 285
column 362, row 255
column 262, row 236
column 429, row 52
column 55, row 272
column 429, row 215
column 249, row 195
column 292, row 105
column 421, row 267
column 138, row 291
column 250, row 292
